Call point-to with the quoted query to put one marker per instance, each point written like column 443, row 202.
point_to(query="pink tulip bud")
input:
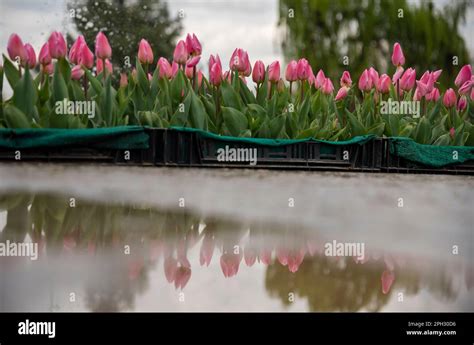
column 85, row 57
column 462, row 103
column 398, row 73
column 274, row 72
column 164, row 68
column 150, row 77
column 123, row 80
column 102, row 47
column 239, row 61
column 398, row 59
column 327, row 87
column 134, row 74
column 57, row 45
column 44, row 56
column 407, row 81
column 449, row 98
column 374, row 76
column 365, row 82
column 303, row 69
column 174, row 69
column 433, row 95
column 75, row 49
column 48, row 69
column 16, row 49
column 193, row 45
column 77, row 72
column 342, row 93
column 180, row 55
column 320, row 79
column 215, row 70
column 207, row 250
column 463, row 75
column 466, row 87
column 417, row 95
column 422, row 88
column 258, row 74
column 472, row 94
column 383, row 85
column 145, row 53
column 230, row 264
column 193, row 61
column 291, row 73
column 346, row 79
column 31, row 61
column 100, row 66
column 312, row 78
column 188, row 71
column 452, row 132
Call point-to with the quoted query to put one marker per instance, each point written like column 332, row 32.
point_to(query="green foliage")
column 323, row 31
column 125, row 23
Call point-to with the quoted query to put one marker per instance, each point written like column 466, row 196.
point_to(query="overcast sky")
column 221, row 25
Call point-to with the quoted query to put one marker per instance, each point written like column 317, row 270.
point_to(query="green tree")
column 125, row 23
column 324, row 31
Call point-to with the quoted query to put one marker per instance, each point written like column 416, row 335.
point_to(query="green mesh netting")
column 120, row 138
column 273, row 142
column 430, row 155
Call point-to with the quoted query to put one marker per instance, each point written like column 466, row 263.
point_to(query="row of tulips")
column 177, row 93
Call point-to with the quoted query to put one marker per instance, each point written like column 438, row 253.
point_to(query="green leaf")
column 15, row 118
column 357, row 128
column 235, row 121
column 276, row 125
column 65, row 69
column 198, row 116
column 11, row 72
column 142, row 78
column 230, row 97
column 178, row 89
column 25, row 95
column 246, row 94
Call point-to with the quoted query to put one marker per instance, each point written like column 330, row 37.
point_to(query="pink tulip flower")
column 365, row 81
column 433, row 95
column 398, row 73
column 182, row 276
column 57, row 45
column 16, row 49
column 77, row 72
column 193, row 46
column 449, row 98
column 274, row 72
column 100, row 66
column 48, row 69
column 192, row 62
column 466, row 87
column 44, row 56
column 258, row 74
column 320, row 79
column 239, row 61
column 408, row 79
column 342, row 93
column 250, row 256
column 180, row 54
column 145, row 53
column 215, row 70
column 346, row 79
column 164, row 68
column 174, row 69
column 76, row 48
column 462, row 103
column 374, row 76
column 123, row 80
column 398, row 59
column 207, row 250
column 291, row 73
column 464, row 75
column 327, row 87
column 303, row 69
column 31, row 60
column 102, row 47
column 85, row 57
column 383, row 85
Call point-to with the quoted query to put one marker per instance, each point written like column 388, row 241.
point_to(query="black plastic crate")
column 191, row 149
column 394, row 164
column 87, row 154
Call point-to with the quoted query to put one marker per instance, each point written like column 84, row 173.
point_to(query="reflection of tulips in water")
column 93, row 229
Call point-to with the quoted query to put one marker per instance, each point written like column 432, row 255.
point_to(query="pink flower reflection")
column 387, row 280
column 230, row 264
